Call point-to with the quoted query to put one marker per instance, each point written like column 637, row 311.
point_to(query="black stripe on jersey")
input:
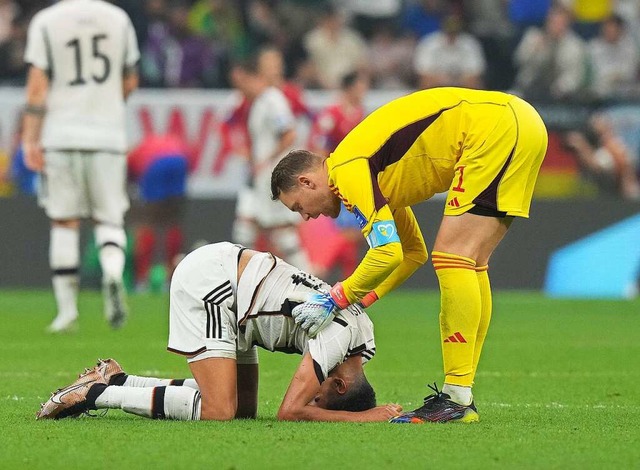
column 222, row 296
column 318, row 370
column 157, row 403
column 177, row 382
column 65, row 271
column 367, row 354
column 47, row 46
column 218, row 322
column 357, row 349
column 340, row 321
column 395, row 147
column 221, row 287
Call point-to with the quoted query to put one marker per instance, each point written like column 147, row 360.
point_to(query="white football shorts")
column 202, row 318
column 77, row 184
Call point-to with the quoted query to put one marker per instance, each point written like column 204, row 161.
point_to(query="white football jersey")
column 85, row 46
column 267, row 291
column 269, row 117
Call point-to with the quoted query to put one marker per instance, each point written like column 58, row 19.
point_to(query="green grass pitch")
column 558, row 387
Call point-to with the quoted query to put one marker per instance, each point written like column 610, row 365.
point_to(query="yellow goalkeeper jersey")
column 425, row 143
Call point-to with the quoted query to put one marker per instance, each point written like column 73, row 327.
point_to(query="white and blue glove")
column 316, row 313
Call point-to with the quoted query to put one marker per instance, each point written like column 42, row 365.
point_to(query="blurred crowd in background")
column 545, row 50
column 578, row 61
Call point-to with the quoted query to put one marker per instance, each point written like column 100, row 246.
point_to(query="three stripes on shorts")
column 212, row 302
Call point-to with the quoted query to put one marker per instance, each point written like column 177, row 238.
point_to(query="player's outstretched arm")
column 302, row 396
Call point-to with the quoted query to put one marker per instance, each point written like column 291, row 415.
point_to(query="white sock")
column 459, row 394
column 138, row 381
column 179, row 403
column 111, row 242
column 64, row 260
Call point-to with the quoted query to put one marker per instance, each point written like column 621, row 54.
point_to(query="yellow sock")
column 485, row 313
column 460, row 307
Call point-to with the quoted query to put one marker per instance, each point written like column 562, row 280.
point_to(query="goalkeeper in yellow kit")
column 486, row 149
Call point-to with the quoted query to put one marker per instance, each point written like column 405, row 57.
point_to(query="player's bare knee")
column 212, row 411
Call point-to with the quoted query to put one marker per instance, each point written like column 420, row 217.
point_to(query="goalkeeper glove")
column 318, row 311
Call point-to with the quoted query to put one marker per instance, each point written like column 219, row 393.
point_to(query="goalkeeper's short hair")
column 360, row 397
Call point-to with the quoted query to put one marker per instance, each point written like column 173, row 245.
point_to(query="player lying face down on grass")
column 225, row 301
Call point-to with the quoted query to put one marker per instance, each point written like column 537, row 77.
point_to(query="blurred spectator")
column 335, row 121
column 13, row 69
column 527, row 13
column 422, row 17
column 271, row 66
column 589, row 14
column 220, row 21
column 629, row 10
column 136, row 11
column 174, row 57
column 8, row 12
column 389, row 55
column 449, row 57
column 614, row 59
column 159, row 165
column 551, row 62
column 334, row 50
column 264, row 26
column 604, row 158
column 489, row 22
column 367, row 16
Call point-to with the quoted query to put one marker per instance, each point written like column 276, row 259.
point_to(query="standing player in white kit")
column 271, row 126
column 83, row 56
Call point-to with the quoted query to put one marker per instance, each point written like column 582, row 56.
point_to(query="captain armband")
column 36, row 110
column 382, row 233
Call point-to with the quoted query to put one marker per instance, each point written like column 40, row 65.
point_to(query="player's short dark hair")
column 359, row 397
column 284, row 175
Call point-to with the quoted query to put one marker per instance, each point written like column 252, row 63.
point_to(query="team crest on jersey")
column 362, row 220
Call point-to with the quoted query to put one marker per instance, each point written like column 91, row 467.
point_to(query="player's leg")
column 245, row 230
column 462, row 243
column 109, row 202
column 61, row 194
column 96, row 389
column 217, row 380
column 64, row 260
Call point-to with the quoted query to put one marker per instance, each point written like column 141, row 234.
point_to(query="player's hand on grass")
column 316, row 313
column 383, row 412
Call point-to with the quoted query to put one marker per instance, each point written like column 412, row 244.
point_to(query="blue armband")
column 382, row 233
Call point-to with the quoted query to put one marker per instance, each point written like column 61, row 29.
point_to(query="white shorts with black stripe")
column 202, row 318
